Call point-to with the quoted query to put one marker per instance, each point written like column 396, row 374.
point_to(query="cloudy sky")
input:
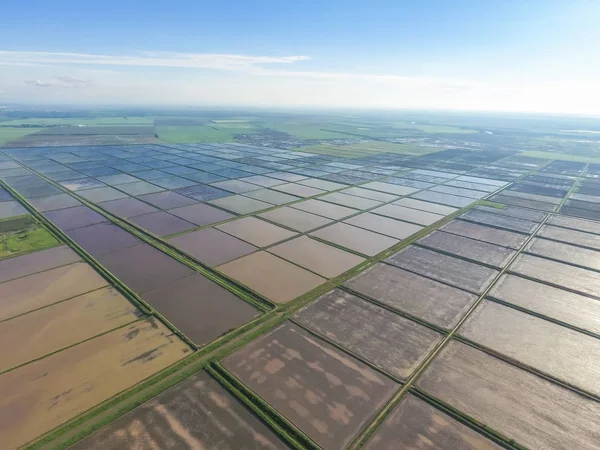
column 500, row 55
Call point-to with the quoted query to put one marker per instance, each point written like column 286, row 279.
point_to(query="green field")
column 393, row 130
column 22, row 235
column 434, row 128
column 562, row 156
column 304, row 130
column 228, row 121
column 97, row 121
column 11, row 134
column 204, row 133
column 368, row 148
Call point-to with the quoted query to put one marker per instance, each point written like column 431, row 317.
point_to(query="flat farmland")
column 46, row 330
column 538, row 343
column 392, row 342
column 422, row 297
column 40, row 396
column 24, row 294
column 534, row 412
column 326, row 393
column 414, row 424
column 36, row 262
column 197, row 414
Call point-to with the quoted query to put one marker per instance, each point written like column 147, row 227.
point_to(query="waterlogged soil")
column 46, row 330
column 31, row 263
column 196, row 414
column 536, row 413
column 42, row 395
column 24, row 294
column 326, row 393
column 414, row 425
column 435, row 302
column 392, row 342
column 538, row 343
column 200, row 308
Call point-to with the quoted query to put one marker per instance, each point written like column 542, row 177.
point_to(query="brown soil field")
column 571, row 236
column 384, row 225
column 565, row 252
column 195, row 414
column 40, row 396
column 558, row 351
column 44, row 288
column 425, row 206
column 350, row 201
column 416, row 425
column 437, row 303
column 21, row 266
column 326, row 393
column 316, row 256
column 143, row 267
column 46, row 330
column 536, row 413
column 570, row 277
column 575, row 224
column 255, row 231
column 324, row 209
column 295, row 219
column 568, row 307
column 392, row 342
column 485, row 234
column 354, row 238
column 277, row 279
column 500, row 221
column 483, row 252
column 408, row 214
column 200, row 308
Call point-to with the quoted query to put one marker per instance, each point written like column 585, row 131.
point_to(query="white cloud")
column 61, row 82
column 182, row 60
column 233, row 80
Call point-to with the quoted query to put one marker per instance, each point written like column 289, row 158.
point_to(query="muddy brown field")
column 44, row 288
column 392, row 342
column 415, row 425
column 196, row 414
column 437, row 303
column 568, row 307
column 326, row 393
column 536, row 342
column 40, row 396
column 534, row 412
column 47, row 330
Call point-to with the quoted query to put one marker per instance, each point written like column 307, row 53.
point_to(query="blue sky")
column 468, row 55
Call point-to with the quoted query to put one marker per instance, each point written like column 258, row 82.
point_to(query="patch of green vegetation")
column 23, row 235
column 304, row 130
column 428, row 128
column 368, row 148
column 11, row 134
column 226, row 121
column 96, row 121
column 562, row 156
column 197, row 134
column 394, row 129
